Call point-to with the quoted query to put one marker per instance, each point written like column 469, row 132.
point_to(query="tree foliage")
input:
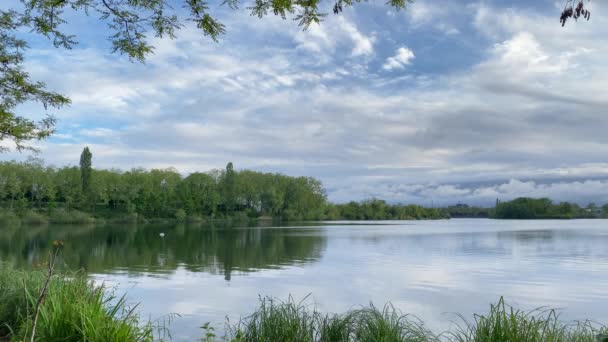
column 543, row 208
column 86, row 165
column 466, row 211
column 158, row 193
column 375, row 209
column 16, row 87
column 574, row 11
column 164, row 193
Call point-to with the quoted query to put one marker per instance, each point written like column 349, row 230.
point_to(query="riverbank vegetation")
column 75, row 309
column 461, row 210
column 33, row 192
column 295, row 321
column 544, row 208
column 375, row 209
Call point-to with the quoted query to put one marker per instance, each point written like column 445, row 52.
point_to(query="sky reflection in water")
column 431, row 269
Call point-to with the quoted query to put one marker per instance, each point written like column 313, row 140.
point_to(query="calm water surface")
column 432, row 268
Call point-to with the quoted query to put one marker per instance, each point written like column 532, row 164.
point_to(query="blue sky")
column 446, row 102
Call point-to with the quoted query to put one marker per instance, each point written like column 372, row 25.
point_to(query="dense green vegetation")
column 74, row 309
column 466, row 211
column 31, row 190
column 544, row 208
column 35, row 193
column 376, row 209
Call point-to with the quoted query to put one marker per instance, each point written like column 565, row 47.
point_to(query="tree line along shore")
column 33, row 192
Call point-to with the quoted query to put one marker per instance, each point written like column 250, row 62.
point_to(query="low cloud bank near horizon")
column 581, row 192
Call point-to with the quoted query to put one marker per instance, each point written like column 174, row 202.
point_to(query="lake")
column 432, row 269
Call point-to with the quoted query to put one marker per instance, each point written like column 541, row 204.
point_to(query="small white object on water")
column 162, row 234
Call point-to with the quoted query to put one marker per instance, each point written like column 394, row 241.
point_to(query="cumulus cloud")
column 325, row 39
column 403, row 57
column 438, row 16
column 362, row 45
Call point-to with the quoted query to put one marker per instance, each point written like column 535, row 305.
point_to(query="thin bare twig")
column 57, row 245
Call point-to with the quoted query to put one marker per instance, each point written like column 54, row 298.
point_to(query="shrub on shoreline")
column 8, row 217
column 71, row 217
column 33, row 217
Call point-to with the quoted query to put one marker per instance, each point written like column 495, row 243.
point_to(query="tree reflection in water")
column 217, row 249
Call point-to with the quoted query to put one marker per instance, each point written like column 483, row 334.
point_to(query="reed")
column 295, row 321
column 74, row 309
column 504, row 323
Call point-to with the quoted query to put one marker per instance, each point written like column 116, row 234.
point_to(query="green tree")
column 69, row 186
column 86, row 165
column 197, row 194
column 164, row 193
column 12, row 185
column 605, row 210
column 538, row 208
column 228, row 187
column 16, row 87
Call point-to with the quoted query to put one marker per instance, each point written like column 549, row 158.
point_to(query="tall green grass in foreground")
column 295, row 321
column 506, row 324
column 74, row 309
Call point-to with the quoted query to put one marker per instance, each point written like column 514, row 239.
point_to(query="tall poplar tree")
column 229, row 188
column 86, row 169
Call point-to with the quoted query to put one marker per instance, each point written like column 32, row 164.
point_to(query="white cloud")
column 422, row 13
column 99, row 132
column 362, row 45
column 324, row 39
column 438, row 16
column 315, row 39
column 403, row 57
